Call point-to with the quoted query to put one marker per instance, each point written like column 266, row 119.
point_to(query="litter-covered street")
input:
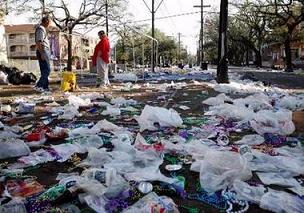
column 186, row 146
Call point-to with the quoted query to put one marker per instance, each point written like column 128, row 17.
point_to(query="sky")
column 187, row 25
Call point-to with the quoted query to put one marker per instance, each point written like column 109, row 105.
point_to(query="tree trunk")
column 247, row 57
column 222, row 68
column 70, row 53
column 288, row 54
column 258, row 58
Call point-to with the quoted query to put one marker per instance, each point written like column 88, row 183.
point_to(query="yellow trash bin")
column 68, row 82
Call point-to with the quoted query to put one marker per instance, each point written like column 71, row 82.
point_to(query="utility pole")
column 222, row 68
column 107, row 19
column 153, row 11
column 202, row 6
column 42, row 8
column 153, row 36
column 179, row 46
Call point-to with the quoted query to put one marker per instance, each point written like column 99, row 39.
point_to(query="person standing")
column 43, row 54
column 101, row 59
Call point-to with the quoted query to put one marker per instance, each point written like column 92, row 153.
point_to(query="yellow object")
column 68, row 82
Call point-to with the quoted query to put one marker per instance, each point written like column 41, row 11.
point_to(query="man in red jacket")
column 101, row 59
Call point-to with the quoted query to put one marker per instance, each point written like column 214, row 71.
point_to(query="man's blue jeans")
column 45, row 70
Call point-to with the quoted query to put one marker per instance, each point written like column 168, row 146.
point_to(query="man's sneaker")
column 38, row 89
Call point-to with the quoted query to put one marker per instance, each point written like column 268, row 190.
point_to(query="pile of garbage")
column 12, row 75
column 113, row 154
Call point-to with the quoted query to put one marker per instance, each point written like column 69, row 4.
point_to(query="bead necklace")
column 231, row 200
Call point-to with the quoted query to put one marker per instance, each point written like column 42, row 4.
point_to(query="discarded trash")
column 145, row 187
column 157, row 115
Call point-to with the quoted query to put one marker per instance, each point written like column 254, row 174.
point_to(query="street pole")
column 222, row 68
column 179, row 46
column 202, row 6
column 107, row 19
column 153, row 36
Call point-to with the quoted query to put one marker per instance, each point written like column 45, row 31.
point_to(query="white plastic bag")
column 252, row 140
column 281, row 202
column 220, row 99
column 279, row 122
column 246, row 192
column 78, row 102
column 13, row 148
column 164, row 117
column 3, row 78
column 220, row 169
column 112, row 111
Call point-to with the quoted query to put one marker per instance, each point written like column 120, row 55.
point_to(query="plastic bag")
column 279, row 122
column 153, row 203
column 227, row 111
column 96, row 203
column 37, row 157
column 270, row 178
column 253, row 139
column 246, row 192
column 280, row 202
column 220, row 99
column 112, row 111
column 120, row 101
column 164, row 117
column 292, row 103
column 14, row 206
column 254, row 102
column 220, row 169
column 96, row 158
column 70, row 112
column 13, row 148
column 3, row 78
column 78, row 102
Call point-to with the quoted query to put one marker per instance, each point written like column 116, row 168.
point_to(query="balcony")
column 17, row 41
column 19, row 54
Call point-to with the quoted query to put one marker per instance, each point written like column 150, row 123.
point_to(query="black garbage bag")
column 17, row 77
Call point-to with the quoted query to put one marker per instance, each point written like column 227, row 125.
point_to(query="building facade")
column 20, row 41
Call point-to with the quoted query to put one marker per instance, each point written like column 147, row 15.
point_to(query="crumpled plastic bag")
column 256, row 102
column 220, row 99
column 111, row 111
column 279, row 122
column 253, row 139
column 280, row 202
column 266, row 163
column 278, row 178
column 246, row 192
column 292, row 102
column 220, row 169
column 78, row 102
column 96, row 158
column 120, row 101
column 164, row 117
column 69, row 113
column 153, row 203
column 3, row 78
column 239, row 113
column 16, row 205
column 96, row 203
column 13, row 148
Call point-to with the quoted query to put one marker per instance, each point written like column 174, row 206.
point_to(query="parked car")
column 298, row 63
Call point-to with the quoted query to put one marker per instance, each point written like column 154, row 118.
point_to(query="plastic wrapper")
column 279, row 122
column 230, row 111
column 278, row 179
column 246, row 192
column 111, row 111
column 220, row 99
column 251, row 140
column 78, row 102
column 220, row 169
column 281, row 202
column 157, row 115
column 14, row 206
column 13, row 148
column 153, row 203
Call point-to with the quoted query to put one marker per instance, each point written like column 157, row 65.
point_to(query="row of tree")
column 254, row 25
column 132, row 46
